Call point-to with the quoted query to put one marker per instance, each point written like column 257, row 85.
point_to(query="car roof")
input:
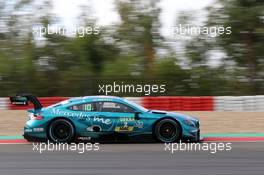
column 95, row 97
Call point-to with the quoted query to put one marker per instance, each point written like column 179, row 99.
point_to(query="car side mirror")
column 137, row 115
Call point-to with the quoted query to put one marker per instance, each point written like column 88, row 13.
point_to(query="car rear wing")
column 24, row 99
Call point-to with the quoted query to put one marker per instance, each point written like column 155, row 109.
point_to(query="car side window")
column 113, row 107
column 83, row 107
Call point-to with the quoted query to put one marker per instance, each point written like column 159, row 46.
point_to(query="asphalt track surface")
column 132, row 159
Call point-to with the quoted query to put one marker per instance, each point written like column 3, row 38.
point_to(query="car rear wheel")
column 167, row 130
column 61, row 131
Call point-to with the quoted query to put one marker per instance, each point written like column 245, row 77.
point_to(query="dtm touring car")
column 99, row 117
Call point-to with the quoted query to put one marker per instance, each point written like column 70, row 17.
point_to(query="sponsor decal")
column 102, row 99
column 96, row 128
column 102, row 120
column 127, row 119
column 38, row 129
column 70, row 114
column 82, row 116
column 84, row 138
column 28, row 130
column 139, row 124
column 89, row 129
column 124, row 129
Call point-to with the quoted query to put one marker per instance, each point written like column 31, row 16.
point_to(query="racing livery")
column 97, row 117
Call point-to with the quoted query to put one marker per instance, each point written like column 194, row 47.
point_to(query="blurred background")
column 135, row 46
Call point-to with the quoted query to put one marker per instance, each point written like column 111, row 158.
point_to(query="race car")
column 97, row 117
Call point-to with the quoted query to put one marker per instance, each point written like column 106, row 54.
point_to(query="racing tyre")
column 167, row 130
column 61, row 131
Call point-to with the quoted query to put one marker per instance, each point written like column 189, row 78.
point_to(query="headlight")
column 189, row 123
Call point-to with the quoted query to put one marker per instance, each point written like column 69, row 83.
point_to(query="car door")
column 91, row 119
column 121, row 116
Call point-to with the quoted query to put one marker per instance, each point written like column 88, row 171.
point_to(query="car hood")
column 174, row 114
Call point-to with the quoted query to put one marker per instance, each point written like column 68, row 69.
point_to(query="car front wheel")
column 167, row 130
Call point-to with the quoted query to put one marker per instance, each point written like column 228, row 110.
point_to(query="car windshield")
column 136, row 105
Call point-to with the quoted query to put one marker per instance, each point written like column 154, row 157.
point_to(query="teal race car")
column 103, row 117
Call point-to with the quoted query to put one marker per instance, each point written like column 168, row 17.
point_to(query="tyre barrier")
column 172, row 103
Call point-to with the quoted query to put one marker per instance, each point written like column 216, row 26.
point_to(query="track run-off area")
column 235, row 137
column 244, row 130
column 149, row 159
